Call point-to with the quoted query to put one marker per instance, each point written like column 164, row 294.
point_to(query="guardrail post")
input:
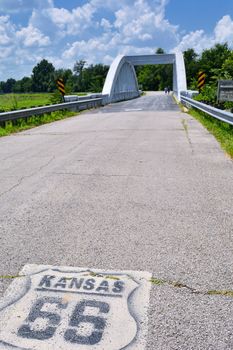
column 3, row 124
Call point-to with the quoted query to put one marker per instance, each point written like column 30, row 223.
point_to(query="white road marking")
column 69, row 308
column 133, row 109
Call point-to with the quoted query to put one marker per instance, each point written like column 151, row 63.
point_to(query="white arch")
column 121, row 82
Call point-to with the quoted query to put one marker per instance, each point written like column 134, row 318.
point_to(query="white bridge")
column 121, row 82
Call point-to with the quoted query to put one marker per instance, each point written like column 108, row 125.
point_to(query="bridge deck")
column 128, row 189
column 152, row 101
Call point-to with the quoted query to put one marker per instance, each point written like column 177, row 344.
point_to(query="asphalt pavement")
column 138, row 185
column 153, row 101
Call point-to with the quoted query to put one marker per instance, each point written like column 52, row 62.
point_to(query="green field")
column 10, row 102
column 17, row 101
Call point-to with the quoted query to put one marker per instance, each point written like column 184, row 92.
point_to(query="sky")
column 64, row 31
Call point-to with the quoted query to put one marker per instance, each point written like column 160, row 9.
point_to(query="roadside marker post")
column 201, row 80
column 61, row 86
column 51, row 307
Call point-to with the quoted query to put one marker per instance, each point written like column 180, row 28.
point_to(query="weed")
column 14, row 102
column 157, row 282
column 228, row 293
column 11, row 277
column 185, row 126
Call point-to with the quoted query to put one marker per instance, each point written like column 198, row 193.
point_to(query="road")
column 137, row 185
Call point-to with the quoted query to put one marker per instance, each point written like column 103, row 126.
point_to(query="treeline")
column 44, row 76
column 217, row 63
column 155, row 77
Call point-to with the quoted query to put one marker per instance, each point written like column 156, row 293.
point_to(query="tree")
column 78, row 71
column 7, row 87
column 227, row 67
column 213, row 58
column 192, row 66
column 148, row 77
column 89, row 78
column 155, row 77
column 23, row 85
column 43, row 77
column 94, row 77
column 159, row 51
column 26, row 84
column 67, row 76
column 78, row 67
column 1, row 86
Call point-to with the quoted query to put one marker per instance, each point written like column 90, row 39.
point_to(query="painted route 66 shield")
column 57, row 309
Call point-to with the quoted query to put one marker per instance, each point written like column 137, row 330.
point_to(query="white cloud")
column 108, row 59
column 224, row 30
column 145, row 37
column 138, row 28
column 20, row 48
column 19, row 6
column 101, row 50
column 90, row 49
column 199, row 40
column 144, row 22
column 132, row 50
column 105, row 24
column 72, row 22
column 5, row 52
column 31, row 36
column 95, row 31
column 6, row 31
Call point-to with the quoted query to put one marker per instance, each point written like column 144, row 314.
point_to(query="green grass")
column 157, row 282
column 11, row 277
column 17, row 101
column 228, row 293
column 80, row 93
column 22, row 124
column 222, row 131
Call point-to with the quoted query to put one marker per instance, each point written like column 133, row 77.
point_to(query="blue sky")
column 64, row 31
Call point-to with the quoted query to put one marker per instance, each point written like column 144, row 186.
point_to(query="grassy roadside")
column 28, row 100
column 223, row 132
column 32, row 122
column 16, row 101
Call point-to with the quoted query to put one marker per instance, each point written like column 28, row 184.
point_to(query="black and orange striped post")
column 201, row 80
column 61, row 86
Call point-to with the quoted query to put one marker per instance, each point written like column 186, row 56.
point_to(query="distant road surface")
column 136, row 185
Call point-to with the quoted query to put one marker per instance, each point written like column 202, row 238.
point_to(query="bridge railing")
column 124, row 96
column 73, row 98
column 212, row 111
column 73, row 106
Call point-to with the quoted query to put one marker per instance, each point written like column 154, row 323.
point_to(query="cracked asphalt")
column 137, row 185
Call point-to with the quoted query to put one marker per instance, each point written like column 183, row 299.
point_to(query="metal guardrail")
column 214, row 112
column 75, row 106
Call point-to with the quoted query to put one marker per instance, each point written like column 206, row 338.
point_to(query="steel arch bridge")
column 121, row 82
